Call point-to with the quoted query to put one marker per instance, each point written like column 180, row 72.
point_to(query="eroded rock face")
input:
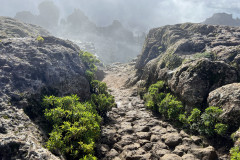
column 193, row 59
column 228, row 98
column 29, row 68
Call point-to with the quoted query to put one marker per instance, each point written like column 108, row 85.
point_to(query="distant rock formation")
column 222, row 19
column 28, row 69
column 113, row 43
column 10, row 28
column 48, row 15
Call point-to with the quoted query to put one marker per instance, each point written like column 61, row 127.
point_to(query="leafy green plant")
column 101, row 99
column 209, row 119
column 221, row 128
column 235, row 153
column 89, row 157
column 206, row 123
column 103, row 103
column 40, row 39
column 170, row 108
column 155, row 95
column 89, row 60
column 194, row 119
column 157, row 100
column 76, row 126
column 98, row 87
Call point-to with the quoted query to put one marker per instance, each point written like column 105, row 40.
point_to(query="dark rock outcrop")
column 193, row 59
column 193, row 81
column 28, row 69
column 10, row 28
column 222, row 19
column 228, row 98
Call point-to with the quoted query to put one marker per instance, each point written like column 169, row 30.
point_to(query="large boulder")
column 228, row 98
column 193, row 81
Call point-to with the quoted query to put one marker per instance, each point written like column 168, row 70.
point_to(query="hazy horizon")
column 140, row 14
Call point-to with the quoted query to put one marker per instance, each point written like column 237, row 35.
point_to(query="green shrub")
column 155, row 95
column 40, row 39
column 76, row 126
column 194, row 119
column 98, row 87
column 209, row 119
column 90, row 75
column 221, row 129
column 170, row 108
column 89, row 157
column 89, row 60
column 103, row 103
column 207, row 123
column 101, row 99
column 235, row 153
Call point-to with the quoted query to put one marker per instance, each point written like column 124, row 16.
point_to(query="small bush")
column 76, row 126
column 98, row 87
column 101, row 99
column 103, row 103
column 235, row 153
column 170, row 108
column 157, row 100
column 155, row 95
column 221, row 129
column 209, row 119
column 207, row 123
column 40, row 39
column 89, row 60
column 194, row 119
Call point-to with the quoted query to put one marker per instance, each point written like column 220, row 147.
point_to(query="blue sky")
column 148, row 13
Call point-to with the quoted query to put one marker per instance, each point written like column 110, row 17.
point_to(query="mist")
column 144, row 13
column 135, row 18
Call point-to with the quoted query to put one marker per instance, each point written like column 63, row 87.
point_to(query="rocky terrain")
column 199, row 63
column 194, row 59
column 29, row 69
column 133, row 132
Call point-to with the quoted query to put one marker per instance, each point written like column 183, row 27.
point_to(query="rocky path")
column 134, row 133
